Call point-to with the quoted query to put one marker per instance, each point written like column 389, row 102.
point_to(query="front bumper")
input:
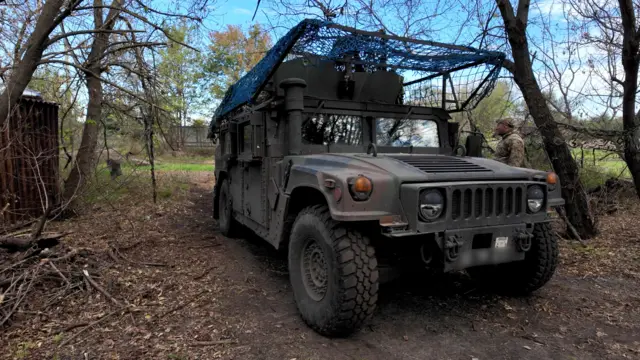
column 464, row 248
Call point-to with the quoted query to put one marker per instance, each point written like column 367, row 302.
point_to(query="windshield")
column 406, row 132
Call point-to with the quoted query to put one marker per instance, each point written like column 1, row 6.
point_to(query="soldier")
column 510, row 150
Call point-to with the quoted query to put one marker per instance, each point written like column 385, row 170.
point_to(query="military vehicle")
column 327, row 152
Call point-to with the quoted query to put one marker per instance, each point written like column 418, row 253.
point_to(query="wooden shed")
column 29, row 161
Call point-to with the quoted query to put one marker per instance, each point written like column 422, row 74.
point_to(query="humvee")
column 327, row 152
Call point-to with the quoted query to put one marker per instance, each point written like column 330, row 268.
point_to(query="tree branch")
column 616, row 80
column 509, row 65
column 506, row 10
column 85, row 70
column 146, row 21
column 84, row 32
column 132, row 46
column 523, row 12
column 169, row 14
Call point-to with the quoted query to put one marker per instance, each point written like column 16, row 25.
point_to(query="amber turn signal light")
column 362, row 184
column 552, row 178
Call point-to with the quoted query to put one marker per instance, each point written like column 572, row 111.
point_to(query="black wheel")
column 228, row 225
column 333, row 272
column 527, row 276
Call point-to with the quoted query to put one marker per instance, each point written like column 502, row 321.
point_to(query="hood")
column 408, row 168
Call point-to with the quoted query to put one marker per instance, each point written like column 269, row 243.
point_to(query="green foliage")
column 56, row 86
column 58, row 338
column 22, row 351
column 179, row 73
column 199, row 123
column 498, row 104
column 595, row 175
column 493, row 107
column 232, row 53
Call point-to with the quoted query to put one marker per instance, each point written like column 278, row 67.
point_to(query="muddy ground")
column 182, row 291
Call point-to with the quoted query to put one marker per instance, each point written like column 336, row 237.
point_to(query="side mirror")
column 474, row 145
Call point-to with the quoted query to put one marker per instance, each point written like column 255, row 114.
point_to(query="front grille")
column 440, row 164
column 485, row 201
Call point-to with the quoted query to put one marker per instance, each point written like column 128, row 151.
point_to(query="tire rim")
column 314, row 270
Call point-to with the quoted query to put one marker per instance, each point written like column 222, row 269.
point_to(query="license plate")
column 501, row 241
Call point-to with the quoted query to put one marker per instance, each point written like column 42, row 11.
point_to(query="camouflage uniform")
column 510, row 150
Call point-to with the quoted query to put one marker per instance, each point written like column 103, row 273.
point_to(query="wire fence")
column 186, row 137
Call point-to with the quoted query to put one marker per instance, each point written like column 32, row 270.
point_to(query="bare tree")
column 515, row 27
column 49, row 17
column 612, row 28
column 92, row 70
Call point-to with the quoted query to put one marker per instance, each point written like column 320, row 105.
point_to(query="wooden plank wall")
column 29, row 161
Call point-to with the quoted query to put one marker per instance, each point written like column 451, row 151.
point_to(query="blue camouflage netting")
column 422, row 58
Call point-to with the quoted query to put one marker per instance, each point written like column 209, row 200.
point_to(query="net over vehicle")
column 338, row 147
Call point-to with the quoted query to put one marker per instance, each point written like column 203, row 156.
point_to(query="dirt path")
column 219, row 298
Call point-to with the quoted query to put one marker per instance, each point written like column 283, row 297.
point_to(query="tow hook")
column 523, row 240
column 452, row 247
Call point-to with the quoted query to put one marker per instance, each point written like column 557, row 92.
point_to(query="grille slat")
column 456, row 205
column 509, row 201
column 475, row 202
column 519, row 201
column 488, row 197
column 499, row 201
column 467, row 202
column 440, row 164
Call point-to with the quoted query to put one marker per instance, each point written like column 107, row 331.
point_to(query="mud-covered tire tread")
column 544, row 265
column 357, row 293
column 527, row 276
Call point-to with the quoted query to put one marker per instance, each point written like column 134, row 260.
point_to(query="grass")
column 599, row 166
column 173, row 175
column 173, row 181
column 177, row 166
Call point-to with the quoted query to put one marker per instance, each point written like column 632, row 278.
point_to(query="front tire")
column 333, row 272
column 527, row 276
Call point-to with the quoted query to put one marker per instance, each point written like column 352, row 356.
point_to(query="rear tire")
column 333, row 272
column 527, row 276
column 228, row 225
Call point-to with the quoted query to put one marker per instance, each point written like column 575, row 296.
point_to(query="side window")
column 324, row 129
column 246, row 139
column 225, row 143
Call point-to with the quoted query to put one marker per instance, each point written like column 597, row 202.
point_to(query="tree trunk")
column 576, row 202
column 85, row 160
column 630, row 63
column 23, row 71
column 631, row 126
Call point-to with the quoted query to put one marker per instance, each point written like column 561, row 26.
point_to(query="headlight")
column 535, row 198
column 431, row 204
column 360, row 188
